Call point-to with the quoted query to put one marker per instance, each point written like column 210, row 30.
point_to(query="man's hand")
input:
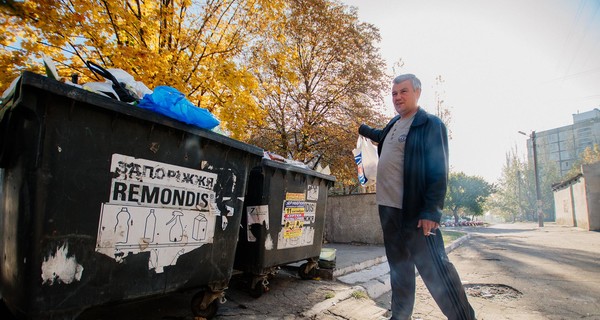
column 428, row 226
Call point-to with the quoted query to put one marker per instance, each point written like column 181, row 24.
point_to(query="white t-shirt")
column 390, row 169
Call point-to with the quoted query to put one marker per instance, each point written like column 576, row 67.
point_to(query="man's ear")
column 418, row 92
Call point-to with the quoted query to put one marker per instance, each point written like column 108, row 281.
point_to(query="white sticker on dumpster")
column 61, row 267
column 256, row 215
column 153, row 207
column 312, row 193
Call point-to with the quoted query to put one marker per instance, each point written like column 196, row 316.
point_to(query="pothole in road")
column 492, row 291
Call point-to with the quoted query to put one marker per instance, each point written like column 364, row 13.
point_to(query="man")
column 412, row 175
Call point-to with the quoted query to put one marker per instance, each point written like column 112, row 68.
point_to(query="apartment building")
column 564, row 145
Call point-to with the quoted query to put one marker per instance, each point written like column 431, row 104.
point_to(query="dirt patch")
column 492, row 291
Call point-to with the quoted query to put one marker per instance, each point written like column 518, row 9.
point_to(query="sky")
column 507, row 66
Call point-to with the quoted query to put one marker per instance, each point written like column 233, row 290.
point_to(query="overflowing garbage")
column 165, row 100
column 275, row 157
column 119, row 84
column 122, row 86
column 170, row 102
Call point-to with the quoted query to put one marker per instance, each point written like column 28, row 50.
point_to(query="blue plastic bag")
column 172, row 103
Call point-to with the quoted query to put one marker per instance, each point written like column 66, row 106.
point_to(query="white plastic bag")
column 103, row 88
column 137, row 87
column 366, row 158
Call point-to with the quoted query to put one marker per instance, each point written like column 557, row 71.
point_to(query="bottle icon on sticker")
column 122, row 226
column 150, row 227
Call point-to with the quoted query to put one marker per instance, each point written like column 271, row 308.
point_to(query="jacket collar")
column 420, row 118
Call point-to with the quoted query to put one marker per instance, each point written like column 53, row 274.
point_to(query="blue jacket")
column 425, row 166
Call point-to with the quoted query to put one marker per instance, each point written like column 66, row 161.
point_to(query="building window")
column 584, row 132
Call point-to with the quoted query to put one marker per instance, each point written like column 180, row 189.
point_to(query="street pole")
column 519, row 196
column 537, row 183
column 538, row 193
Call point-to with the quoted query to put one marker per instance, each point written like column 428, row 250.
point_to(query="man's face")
column 405, row 98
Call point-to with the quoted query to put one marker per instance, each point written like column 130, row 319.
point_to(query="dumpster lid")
column 42, row 82
column 294, row 168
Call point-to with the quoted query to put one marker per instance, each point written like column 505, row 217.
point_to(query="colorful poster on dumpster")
column 154, row 207
column 297, row 222
column 293, row 218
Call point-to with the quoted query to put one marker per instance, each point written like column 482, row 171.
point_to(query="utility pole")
column 537, row 182
column 519, row 196
column 538, row 193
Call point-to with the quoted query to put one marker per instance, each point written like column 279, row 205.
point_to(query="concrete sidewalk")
column 355, row 257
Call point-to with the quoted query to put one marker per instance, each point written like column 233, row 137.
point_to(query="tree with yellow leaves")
column 193, row 46
column 320, row 76
column 590, row 154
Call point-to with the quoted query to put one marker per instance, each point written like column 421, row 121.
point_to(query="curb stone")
column 457, row 243
column 323, row 306
column 360, row 266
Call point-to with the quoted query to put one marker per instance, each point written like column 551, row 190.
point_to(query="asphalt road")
column 523, row 272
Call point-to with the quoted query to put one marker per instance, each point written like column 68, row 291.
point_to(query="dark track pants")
column 407, row 249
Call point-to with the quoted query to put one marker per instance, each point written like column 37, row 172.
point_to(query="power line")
column 573, row 75
column 571, row 30
column 583, row 36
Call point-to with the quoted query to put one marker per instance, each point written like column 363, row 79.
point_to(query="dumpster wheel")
column 259, row 286
column 205, row 303
column 308, row 270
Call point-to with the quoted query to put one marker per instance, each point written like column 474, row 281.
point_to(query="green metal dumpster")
column 282, row 222
column 103, row 202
